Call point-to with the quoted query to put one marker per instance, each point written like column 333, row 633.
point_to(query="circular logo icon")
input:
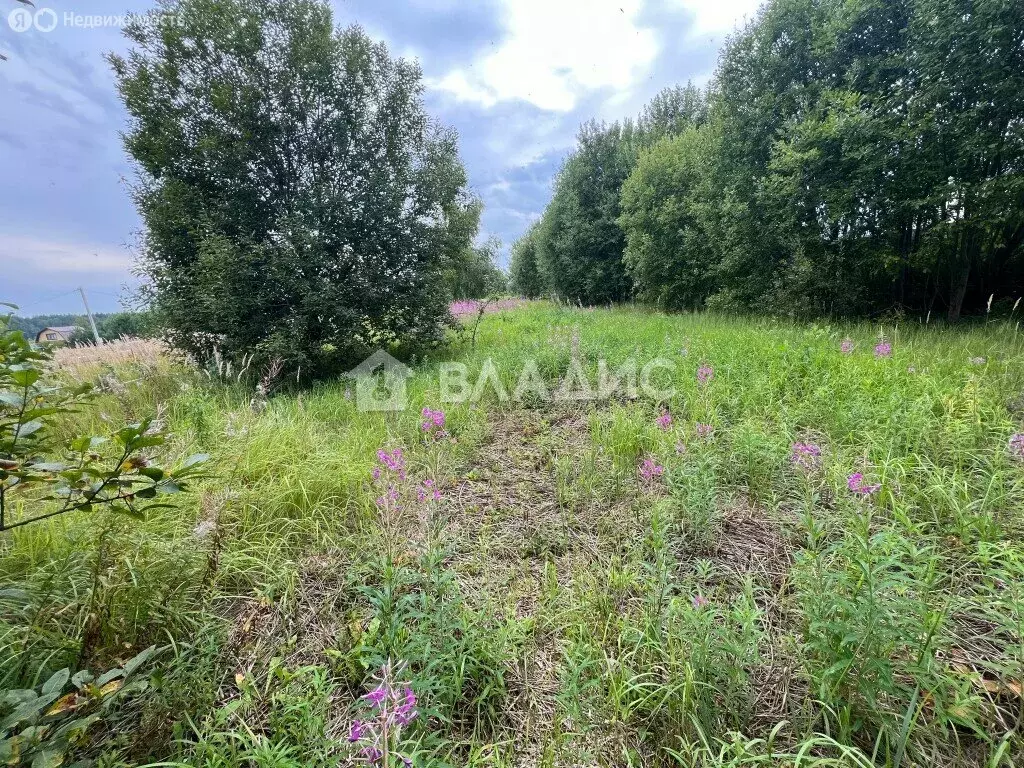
column 46, row 20
column 20, row 19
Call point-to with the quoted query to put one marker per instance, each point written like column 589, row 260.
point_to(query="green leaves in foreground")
column 40, row 726
column 48, row 478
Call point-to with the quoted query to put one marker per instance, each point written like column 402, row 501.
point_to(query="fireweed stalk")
column 805, row 456
column 650, row 471
column 433, row 424
column 398, row 493
column 391, row 707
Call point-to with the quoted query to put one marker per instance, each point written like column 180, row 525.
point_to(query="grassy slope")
column 554, row 609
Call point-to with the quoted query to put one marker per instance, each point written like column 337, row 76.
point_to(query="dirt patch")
column 520, row 533
column 753, row 544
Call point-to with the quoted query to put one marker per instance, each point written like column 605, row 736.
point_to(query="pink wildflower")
column 392, row 707
column 664, row 421
column 650, row 470
column 846, row 347
column 393, row 461
column 704, row 430
column 427, row 490
column 705, row 373
column 883, row 349
column 855, row 483
column 699, row 601
column 807, row 456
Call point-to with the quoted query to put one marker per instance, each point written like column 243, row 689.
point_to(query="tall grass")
column 555, row 609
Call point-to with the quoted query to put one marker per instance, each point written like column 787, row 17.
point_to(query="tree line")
column 849, row 157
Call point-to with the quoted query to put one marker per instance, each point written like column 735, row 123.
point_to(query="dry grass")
column 85, row 359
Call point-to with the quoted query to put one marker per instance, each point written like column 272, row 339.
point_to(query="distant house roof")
column 56, row 333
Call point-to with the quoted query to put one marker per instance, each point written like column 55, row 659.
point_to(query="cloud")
column 62, row 259
column 441, row 33
column 554, row 52
column 42, row 275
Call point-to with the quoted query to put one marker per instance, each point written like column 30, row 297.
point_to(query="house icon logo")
column 380, row 383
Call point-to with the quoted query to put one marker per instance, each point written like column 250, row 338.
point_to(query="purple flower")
column 1016, row 445
column 393, row 461
column 846, row 347
column 855, row 483
column 807, row 456
column 704, row 430
column 650, row 470
column 377, row 696
column 376, row 473
column 699, row 601
column 883, row 349
column 432, row 419
column 664, row 421
column 393, row 706
column 705, row 373
column 406, row 710
column 427, row 489
column 356, row 732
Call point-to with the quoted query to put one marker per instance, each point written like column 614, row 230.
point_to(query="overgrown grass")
column 553, row 607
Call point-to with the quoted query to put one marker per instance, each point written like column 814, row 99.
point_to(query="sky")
column 515, row 78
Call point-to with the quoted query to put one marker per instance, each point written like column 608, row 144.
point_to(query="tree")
column 579, row 242
column 299, row 203
column 669, row 250
column 475, row 273
column 524, row 275
column 672, row 111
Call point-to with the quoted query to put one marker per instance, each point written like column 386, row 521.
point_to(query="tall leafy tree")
column 299, row 202
column 579, row 242
column 670, row 253
column 524, row 274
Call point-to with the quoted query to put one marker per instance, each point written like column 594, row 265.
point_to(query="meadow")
column 808, row 554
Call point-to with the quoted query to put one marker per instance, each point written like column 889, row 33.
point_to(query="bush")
column 299, row 202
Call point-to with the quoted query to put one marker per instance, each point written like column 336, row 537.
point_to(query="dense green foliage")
column 42, row 476
column 118, row 325
column 31, row 326
column 299, row 202
column 857, row 155
column 524, row 275
column 579, row 244
column 475, row 274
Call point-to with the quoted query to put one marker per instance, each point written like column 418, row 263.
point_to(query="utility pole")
column 92, row 322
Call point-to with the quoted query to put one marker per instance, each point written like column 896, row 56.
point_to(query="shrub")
column 299, row 202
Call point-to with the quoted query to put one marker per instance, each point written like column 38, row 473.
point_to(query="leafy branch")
column 79, row 478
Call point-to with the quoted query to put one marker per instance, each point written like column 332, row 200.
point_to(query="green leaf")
column 195, row 459
column 48, row 758
column 140, row 658
column 154, row 473
column 28, row 428
column 57, row 681
column 24, row 376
